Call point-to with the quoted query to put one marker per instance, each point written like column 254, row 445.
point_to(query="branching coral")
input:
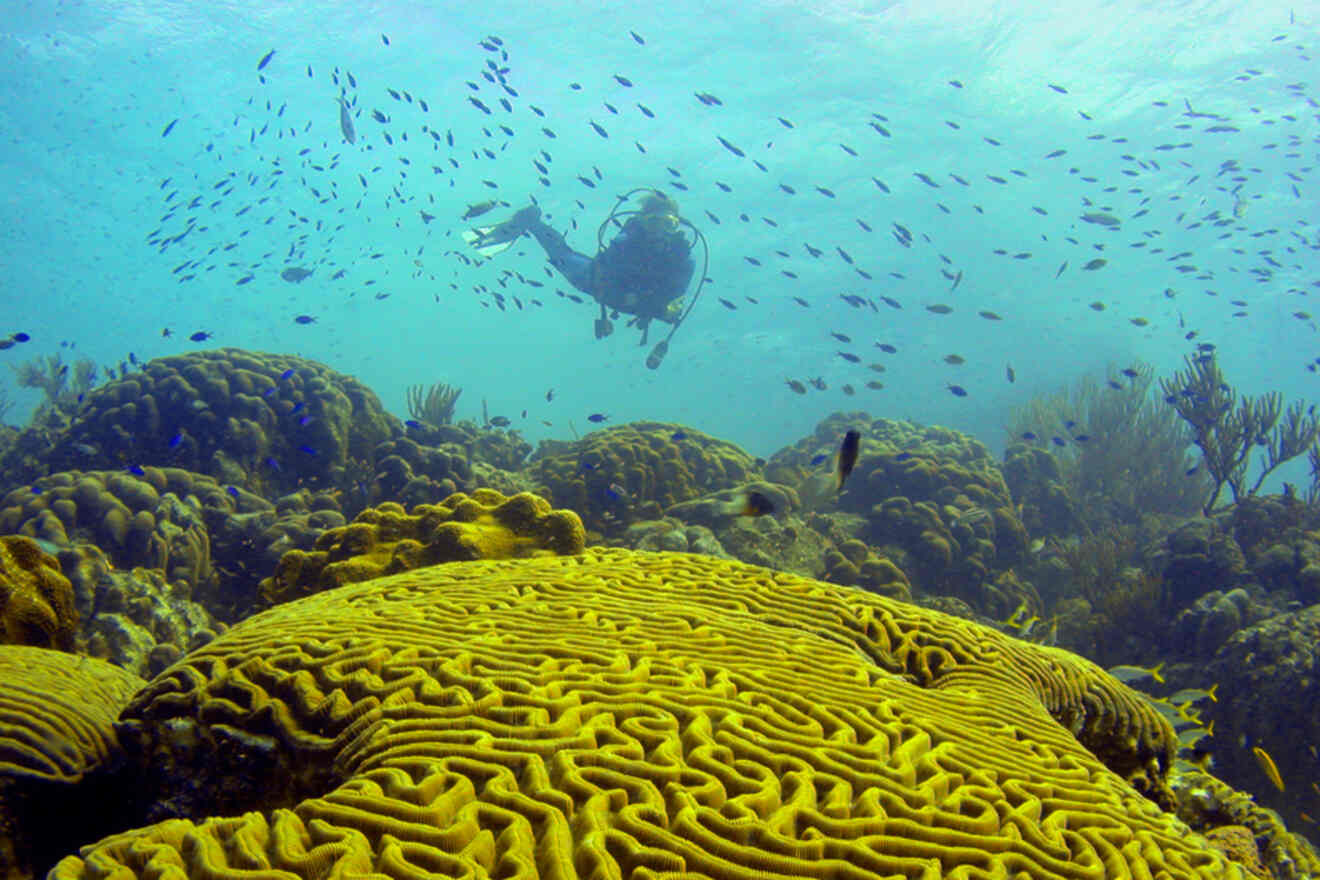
column 51, row 377
column 433, row 405
column 1226, row 426
column 1121, row 453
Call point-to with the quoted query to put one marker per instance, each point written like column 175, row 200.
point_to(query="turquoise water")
column 92, row 190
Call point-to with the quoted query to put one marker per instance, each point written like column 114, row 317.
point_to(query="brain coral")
column 632, row 472
column 267, row 421
column 619, row 714
column 56, row 742
column 36, row 600
column 387, row 540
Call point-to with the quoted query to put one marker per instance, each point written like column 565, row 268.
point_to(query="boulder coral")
column 634, row 472
column 619, row 714
column 36, row 600
column 268, row 422
column 387, row 539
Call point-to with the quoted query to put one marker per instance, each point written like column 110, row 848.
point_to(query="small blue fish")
column 902, row 456
column 587, row 466
column 286, row 374
column 679, row 435
column 297, row 407
column 268, row 392
column 307, row 449
column 414, row 424
column 1028, row 435
column 37, row 490
column 819, row 459
column 597, row 417
column 233, row 491
column 273, row 464
column 135, row 470
column 1058, row 441
column 176, row 440
column 305, row 421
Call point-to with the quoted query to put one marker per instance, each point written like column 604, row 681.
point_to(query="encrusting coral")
column 618, row 714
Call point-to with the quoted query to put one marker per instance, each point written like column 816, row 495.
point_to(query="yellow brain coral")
column 620, row 714
column 36, row 599
column 388, row 540
column 57, row 712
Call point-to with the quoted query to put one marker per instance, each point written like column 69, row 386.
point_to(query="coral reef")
column 1227, row 427
column 934, row 500
column 1266, row 849
column 36, row 600
column 387, row 540
column 270, row 423
column 1269, row 677
column 624, row 714
column 152, row 520
column 58, row 783
column 61, row 395
column 1037, row 485
column 1122, row 453
column 135, row 619
column 628, row 473
column 433, row 405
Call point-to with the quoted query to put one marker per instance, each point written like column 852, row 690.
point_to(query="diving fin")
column 490, row 241
column 604, row 327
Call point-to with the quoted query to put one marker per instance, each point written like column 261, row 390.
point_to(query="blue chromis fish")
column 848, row 449
column 346, row 122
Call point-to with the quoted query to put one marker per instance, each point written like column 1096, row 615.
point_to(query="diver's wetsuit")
column 637, row 273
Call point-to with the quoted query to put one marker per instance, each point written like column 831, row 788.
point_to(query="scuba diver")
column 644, row 271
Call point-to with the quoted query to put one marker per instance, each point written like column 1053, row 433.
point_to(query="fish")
column 795, row 386
column 304, row 319
column 752, row 504
column 1009, row 373
column 500, row 421
column 1268, row 766
column 1100, row 218
column 265, row 59
column 990, row 316
column 478, row 208
column 848, row 449
column 955, row 359
column 169, row 128
column 1130, row 674
column 957, row 390
column 200, row 336
column 346, row 122
column 939, row 309
column 597, row 417
column 296, row 274
column 1097, row 263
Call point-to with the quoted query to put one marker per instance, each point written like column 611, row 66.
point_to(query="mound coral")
column 934, row 500
column 633, row 472
column 36, row 600
column 387, row 540
column 265, row 421
column 620, row 714
column 139, row 520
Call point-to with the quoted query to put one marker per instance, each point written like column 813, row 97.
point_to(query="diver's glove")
column 522, row 220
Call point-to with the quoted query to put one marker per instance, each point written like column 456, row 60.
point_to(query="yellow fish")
column 1267, row 764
